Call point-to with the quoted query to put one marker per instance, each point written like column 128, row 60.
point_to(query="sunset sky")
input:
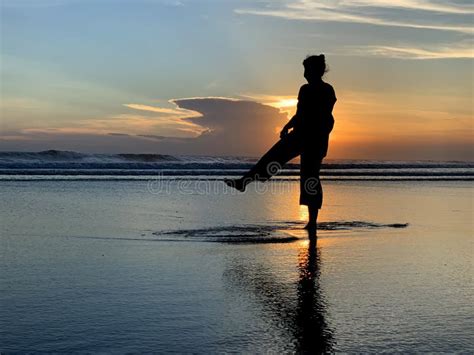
column 220, row 77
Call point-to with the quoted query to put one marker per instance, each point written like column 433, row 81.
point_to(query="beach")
column 190, row 266
column 130, row 129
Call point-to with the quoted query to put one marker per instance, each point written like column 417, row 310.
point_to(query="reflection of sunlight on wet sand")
column 303, row 244
column 303, row 213
column 323, row 240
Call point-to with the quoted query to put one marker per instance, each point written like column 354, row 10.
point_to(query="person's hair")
column 316, row 63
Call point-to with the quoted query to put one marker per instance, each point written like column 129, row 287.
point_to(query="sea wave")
column 70, row 163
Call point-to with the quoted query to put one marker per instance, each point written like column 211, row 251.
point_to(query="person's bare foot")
column 237, row 184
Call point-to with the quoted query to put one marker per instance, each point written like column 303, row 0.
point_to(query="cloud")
column 416, row 5
column 140, row 124
column 277, row 101
column 152, row 136
column 178, row 112
column 118, row 134
column 173, row 122
column 424, row 14
column 285, row 103
column 438, row 128
column 453, row 51
column 234, row 126
column 225, row 127
column 129, row 124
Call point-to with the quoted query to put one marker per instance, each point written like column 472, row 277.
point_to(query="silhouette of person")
column 309, row 136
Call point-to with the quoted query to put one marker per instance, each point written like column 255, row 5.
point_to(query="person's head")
column 314, row 67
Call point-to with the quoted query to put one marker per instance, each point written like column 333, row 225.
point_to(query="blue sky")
column 98, row 75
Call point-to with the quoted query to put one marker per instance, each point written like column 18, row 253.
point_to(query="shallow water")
column 125, row 266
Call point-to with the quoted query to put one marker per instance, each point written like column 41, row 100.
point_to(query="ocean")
column 54, row 164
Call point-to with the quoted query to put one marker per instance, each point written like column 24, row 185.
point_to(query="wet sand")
column 124, row 267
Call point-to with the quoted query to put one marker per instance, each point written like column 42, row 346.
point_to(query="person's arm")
column 291, row 124
column 294, row 120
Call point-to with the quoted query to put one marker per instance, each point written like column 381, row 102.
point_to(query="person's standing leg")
column 313, row 215
column 270, row 163
column 311, row 188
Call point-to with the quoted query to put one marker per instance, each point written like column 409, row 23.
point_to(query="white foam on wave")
column 69, row 163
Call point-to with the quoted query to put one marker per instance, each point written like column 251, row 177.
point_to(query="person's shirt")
column 314, row 111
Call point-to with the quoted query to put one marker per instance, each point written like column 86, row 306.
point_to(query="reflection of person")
column 311, row 329
column 309, row 137
column 302, row 319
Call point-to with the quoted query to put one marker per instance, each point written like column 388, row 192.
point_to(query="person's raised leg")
column 269, row 164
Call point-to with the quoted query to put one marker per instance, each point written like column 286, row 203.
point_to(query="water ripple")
column 278, row 232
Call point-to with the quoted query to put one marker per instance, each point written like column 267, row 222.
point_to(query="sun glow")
column 285, row 103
